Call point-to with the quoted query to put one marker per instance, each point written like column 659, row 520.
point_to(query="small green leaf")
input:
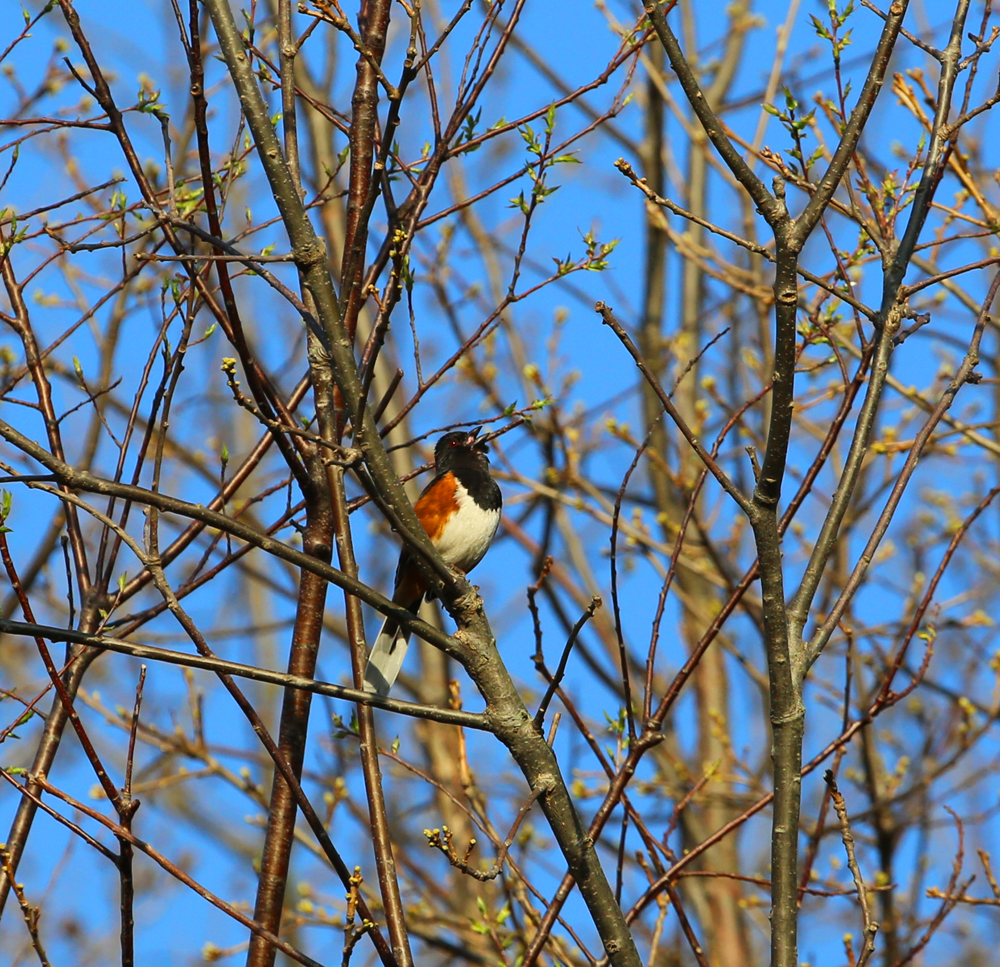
column 520, row 204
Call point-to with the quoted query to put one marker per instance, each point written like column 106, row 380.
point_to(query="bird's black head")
column 461, row 449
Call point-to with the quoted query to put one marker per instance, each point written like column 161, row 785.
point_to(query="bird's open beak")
column 471, row 439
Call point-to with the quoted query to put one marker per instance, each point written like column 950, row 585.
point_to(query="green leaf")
column 820, row 29
column 520, row 204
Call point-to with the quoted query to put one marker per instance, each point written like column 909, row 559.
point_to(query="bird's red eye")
column 454, row 443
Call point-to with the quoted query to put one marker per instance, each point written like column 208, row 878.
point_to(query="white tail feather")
column 386, row 658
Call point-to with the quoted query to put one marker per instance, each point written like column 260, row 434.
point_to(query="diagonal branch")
column 221, row 666
column 608, row 317
column 835, row 171
column 82, row 480
column 966, row 374
column 476, row 645
column 889, row 320
column 769, row 206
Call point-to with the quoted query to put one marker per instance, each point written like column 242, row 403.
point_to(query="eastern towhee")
column 460, row 510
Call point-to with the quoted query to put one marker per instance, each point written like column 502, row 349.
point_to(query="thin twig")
column 869, row 926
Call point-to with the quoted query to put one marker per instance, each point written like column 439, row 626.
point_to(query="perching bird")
column 460, row 510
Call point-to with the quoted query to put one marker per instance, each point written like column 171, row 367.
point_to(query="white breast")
column 467, row 536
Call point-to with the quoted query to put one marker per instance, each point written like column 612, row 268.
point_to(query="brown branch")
column 608, row 317
column 869, row 926
column 171, row 868
column 385, row 862
column 31, row 914
column 769, row 206
column 506, row 712
column 468, row 720
column 966, row 374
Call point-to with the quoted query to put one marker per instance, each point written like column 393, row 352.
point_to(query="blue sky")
column 138, row 39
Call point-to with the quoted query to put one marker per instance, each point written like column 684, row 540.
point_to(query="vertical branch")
column 364, row 120
column 785, row 654
column 292, row 734
column 785, row 669
column 510, row 720
column 55, row 723
column 715, row 899
column 890, row 319
column 287, row 51
column 125, row 851
column 654, row 280
column 31, row 914
column 869, row 926
column 21, row 324
column 385, row 863
column 374, row 23
column 317, row 541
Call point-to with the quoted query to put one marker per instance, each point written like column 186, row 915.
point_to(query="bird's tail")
column 387, row 654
